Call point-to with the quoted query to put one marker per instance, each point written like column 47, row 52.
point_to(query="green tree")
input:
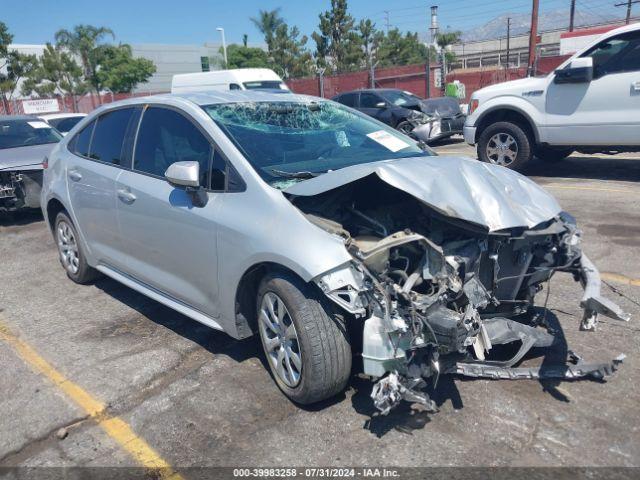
column 57, row 73
column 84, row 41
column 289, row 55
column 118, row 70
column 338, row 45
column 16, row 66
column 268, row 22
column 370, row 39
column 241, row 56
column 398, row 49
column 446, row 39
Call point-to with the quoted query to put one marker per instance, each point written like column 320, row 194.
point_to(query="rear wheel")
column 548, row 154
column 505, row 144
column 305, row 342
column 72, row 256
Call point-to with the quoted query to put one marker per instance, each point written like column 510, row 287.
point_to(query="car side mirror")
column 580, row 70
column 187, row 174
column 381, row 105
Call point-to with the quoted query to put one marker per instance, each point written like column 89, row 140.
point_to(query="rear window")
column 80, row 143
column 269, row 84
column 64, row 125
column 348, row 99
column 108, row 136
column 23, row 133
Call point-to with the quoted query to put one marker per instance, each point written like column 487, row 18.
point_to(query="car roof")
column 361, row 90
column 216, row 97
column 55, row 116
column 18, row 117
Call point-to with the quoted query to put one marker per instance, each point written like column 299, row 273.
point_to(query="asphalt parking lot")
column 169, row 390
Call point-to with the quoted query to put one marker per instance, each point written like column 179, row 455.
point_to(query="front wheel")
column 305, row 342
column 505, row 144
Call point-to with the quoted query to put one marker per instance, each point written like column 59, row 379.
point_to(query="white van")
column 234, row 79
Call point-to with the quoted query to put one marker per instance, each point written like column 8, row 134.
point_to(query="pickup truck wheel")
column 505, row 144
column 306, row 344
column 547, row 154
column 70, row 251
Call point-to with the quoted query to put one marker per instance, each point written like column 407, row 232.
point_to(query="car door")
column 605, row 111
column 98, row 153
column 169, row 243
column 375, row 106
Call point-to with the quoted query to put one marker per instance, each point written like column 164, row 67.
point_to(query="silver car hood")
column 464, row 188
column 24, row 158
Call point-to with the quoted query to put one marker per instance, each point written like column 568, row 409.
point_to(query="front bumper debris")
column 567, row 372
column 592, row 302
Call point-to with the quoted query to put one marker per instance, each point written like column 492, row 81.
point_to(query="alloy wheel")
column 68, row 247
column 280, row 339
column 502, row 149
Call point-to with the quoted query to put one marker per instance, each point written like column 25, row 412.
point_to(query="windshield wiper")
column 302, row 174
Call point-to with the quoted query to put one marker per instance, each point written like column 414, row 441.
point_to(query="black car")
column 426, row 120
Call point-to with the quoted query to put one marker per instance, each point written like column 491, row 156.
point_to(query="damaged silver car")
column 325, row 232
column 25, row 142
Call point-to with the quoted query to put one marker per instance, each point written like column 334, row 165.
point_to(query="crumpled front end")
column 436, row 295
column 19, row 189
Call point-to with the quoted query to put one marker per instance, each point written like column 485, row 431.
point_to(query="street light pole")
column 224, row 46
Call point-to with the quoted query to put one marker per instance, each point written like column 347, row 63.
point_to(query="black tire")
column 548, row 154
column 523, row 144
column 82, row 273
column 321, row 337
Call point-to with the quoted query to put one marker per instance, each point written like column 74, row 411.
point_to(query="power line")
column 628, row 3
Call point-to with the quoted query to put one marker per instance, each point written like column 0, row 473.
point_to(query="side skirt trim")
column 158, row 296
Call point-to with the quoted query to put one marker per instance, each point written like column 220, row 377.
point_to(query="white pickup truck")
column 591, row 104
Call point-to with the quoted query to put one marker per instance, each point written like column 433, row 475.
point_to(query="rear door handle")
column 635, row 86
column 126, row 196
column 75, row 175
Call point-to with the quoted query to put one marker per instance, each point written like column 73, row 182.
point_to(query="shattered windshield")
column 24, row 133
column 290, row 141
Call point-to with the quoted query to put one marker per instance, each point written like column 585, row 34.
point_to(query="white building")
column 168, row 59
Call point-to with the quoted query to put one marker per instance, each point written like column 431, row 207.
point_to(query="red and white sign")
column 41, row 105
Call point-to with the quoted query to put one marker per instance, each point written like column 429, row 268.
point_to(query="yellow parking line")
column 596, row 189
column 115, row 427
column 618, row 278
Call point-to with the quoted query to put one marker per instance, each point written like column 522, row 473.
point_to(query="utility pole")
column 508, row 39
column 628, row 4
column 533, row 36
column 572, row 15
column 386, row 19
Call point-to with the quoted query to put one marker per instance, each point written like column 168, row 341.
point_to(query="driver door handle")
column 126, row 196
column 75, row 175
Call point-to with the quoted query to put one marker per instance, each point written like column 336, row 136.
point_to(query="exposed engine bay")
column 437, row 293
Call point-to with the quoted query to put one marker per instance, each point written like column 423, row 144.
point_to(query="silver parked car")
column 25, row 143
column 325, row 231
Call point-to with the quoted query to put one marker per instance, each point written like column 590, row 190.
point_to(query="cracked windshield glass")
column 287, row 142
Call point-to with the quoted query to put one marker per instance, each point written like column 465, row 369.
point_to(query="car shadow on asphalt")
column 587, row 168
column 214, row 341
column 405, row 418
column 20, row 218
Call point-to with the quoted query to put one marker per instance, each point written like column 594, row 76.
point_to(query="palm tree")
column 84, row 41
column 267, row 22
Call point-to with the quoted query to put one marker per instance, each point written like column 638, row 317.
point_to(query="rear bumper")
column 469, row 134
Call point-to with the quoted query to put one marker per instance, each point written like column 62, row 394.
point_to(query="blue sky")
column 195, row 21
